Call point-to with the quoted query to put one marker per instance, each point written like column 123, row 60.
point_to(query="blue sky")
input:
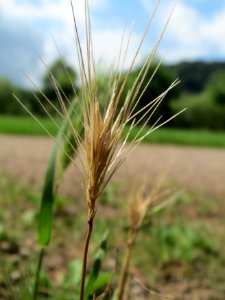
column 196, row 31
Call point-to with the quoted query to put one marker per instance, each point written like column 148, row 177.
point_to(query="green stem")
column 37, row 276
column 85, row 254
column 126, row 264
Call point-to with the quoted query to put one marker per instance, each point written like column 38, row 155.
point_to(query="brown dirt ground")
column 196, row 169
column 200, row 169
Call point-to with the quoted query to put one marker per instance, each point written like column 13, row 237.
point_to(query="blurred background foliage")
column 202, row 91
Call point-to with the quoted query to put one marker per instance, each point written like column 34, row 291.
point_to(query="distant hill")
column 194, row 75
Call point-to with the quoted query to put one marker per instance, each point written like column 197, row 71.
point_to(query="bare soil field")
column 25, row 159
column 200, row 170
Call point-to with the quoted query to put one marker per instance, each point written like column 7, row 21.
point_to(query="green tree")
column 195, row 75
column 160, row 82
column 65, row 77
column 216, row 87
column 8, row 105
column 6, row 90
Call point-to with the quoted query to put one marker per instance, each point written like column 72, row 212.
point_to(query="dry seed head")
column 100, row 143
column 147, row 197
column 139, row 205
column 102, row 146
column 103, row 130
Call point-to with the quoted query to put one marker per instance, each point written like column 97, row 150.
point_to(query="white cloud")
column 17, row 51
column 214, row 31
column 149, row 5
column 51, row 9
column 107, row 46
column 58, row 21
column 27, row 27
column 190, row 34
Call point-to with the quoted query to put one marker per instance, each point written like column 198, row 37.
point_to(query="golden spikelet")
column 103, row 149
column 101, row 142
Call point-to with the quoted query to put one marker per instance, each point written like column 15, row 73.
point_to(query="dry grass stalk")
column 103, row 147
column 103, row 132
column 140, row 204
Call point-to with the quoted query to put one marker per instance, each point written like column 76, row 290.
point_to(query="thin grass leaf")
column 48, row 195
column 72, row 278
column 45, row 218
column 95, row 272
column 70, row 144
column 173, row 199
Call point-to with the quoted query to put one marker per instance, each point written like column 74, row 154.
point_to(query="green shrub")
column 202, row 112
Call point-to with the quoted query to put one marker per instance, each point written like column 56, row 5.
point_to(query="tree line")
column 202, row 90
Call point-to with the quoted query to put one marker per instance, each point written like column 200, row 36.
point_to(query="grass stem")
column 85, row 254
column 126, row 264
column 37, row 276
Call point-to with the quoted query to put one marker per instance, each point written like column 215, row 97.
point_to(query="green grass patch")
column 178, row 245
column 25, row 125
column 203, row 138
column 21, row 125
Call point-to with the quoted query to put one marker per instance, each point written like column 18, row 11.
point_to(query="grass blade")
column 45, row 218
column 93, row 277
column 48, row 194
